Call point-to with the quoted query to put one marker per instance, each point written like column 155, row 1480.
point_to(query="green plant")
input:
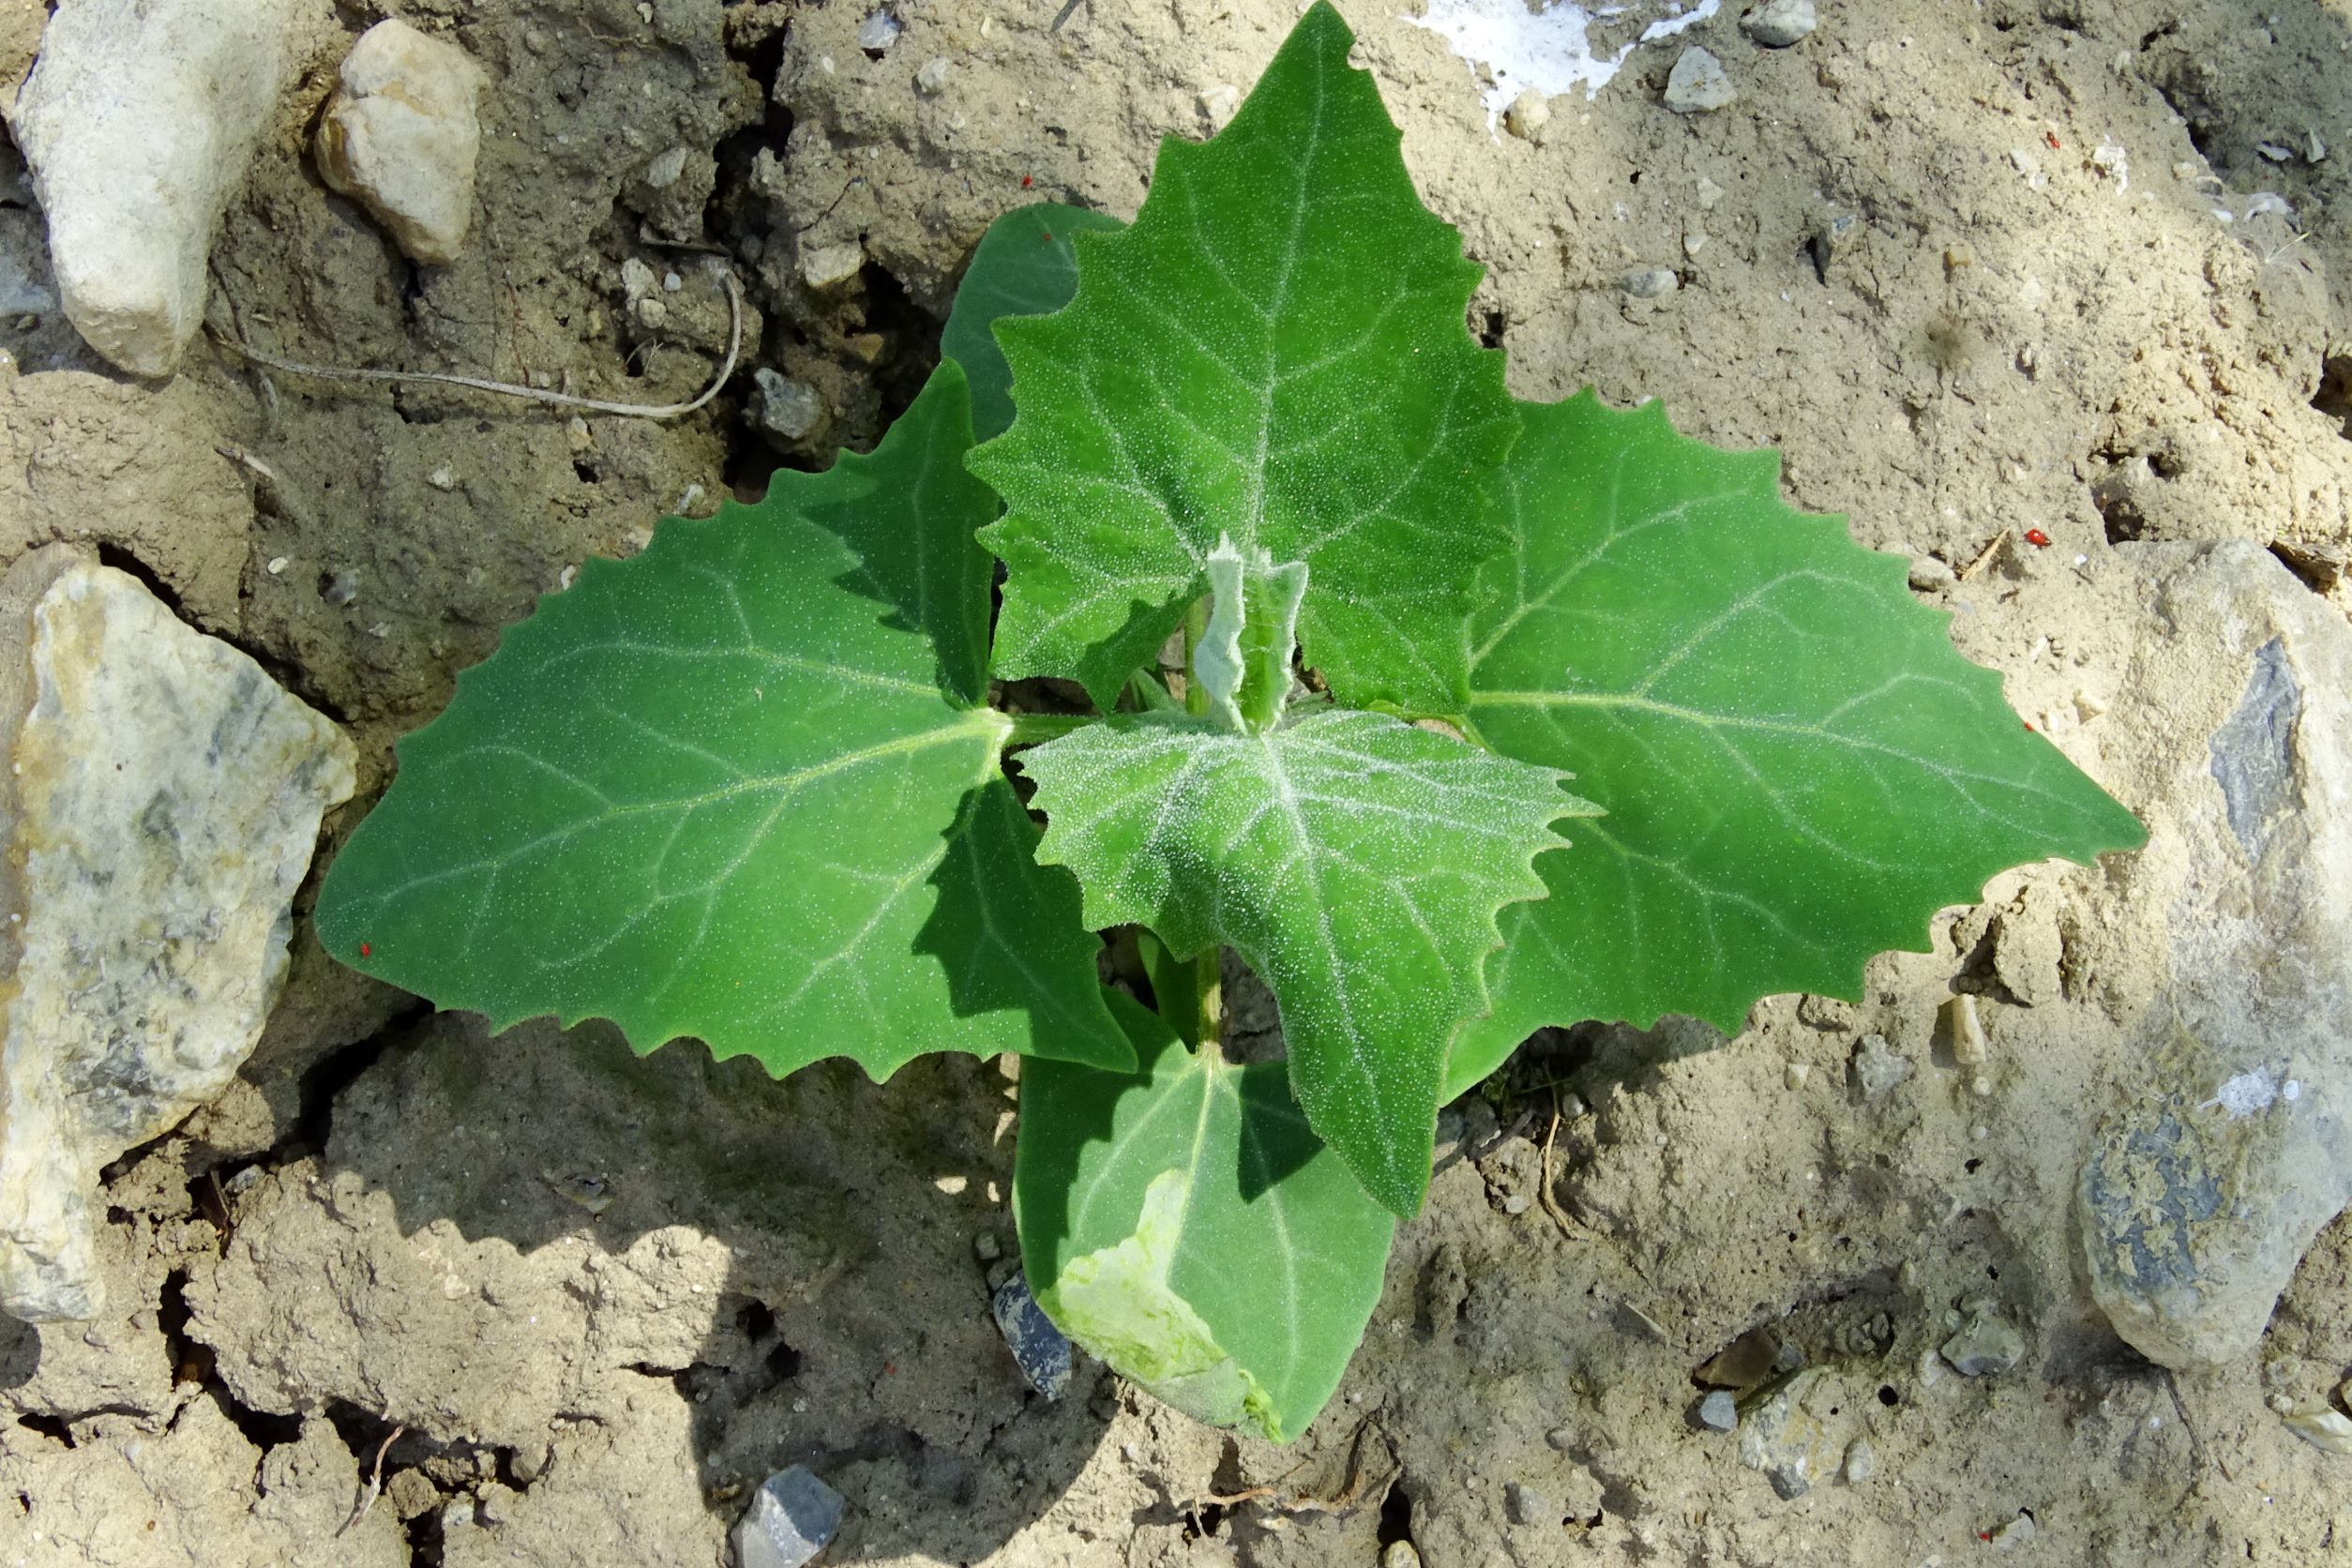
column 749, row 787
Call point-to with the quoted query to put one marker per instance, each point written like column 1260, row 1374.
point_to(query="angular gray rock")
column 1788, row 1435
column 399, row 137
column 1778, row 23
column 1982, row 1343
column 790, row 1518
column 162, row 803
column 138, row 121
column 2199, row 1197
column 1699, row 84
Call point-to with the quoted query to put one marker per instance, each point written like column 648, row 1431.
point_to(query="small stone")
column 1794, row 1074
column 399, row 137
column 1708, row 193
column 578, row 435
column 1560, row 1439
column 1986, row 1344
column 138, row 123
column 1400, row 1553
column 495, row 1506
column 671, row 282
column 932, row 79
column 879, row 31
column 1650, row 282
column 2315, row 150
column 1699, row 84
column 162, row 802
column 1526, row 1506
column 1862, row 1461
column 790, row 1520
column 789, row 411
column 637, row 279
column 2275, row 153
column 650, row 311
column 1783, row 1435
column 1529, row 114
column 2322, row 1428
column 986, row 1247
column 666, row 170
column 443, row 478
column 2017, row 1532
column 276, row 564
column 1969, row 1046
column 1719, row 1412
column 1877, row 1067
column 341, row 590
column 1220, row 103
column 1040, row 1347
column 829, row 266
column 1778, row 23
column 1930, row 576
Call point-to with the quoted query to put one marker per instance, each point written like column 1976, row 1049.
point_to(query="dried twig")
column 552, row 399
column 1544, row 1175
column 1351, row 1492
column 1985, row 555
column 375, row 1482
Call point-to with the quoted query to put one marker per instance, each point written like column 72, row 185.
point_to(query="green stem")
column 1034, row 729
column 1208, row 987
column 1195, row 627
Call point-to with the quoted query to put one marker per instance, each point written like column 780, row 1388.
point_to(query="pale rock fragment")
column 399, row 137
column 1698, row 84
column 2203, row 1188
column 790, row 1518
column 162, row 803
column 1529, row 114
column 1778, row 23
column 826, row 268
column 140, row 118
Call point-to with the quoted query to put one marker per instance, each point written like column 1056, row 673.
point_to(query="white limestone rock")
column 399, row 137
column 2204, row 1187
column 162, row 802
column 139, row 120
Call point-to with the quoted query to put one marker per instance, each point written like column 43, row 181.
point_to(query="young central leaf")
column 1274, row 353
column 1355, row 861
column 740, row 787
column 1799, row 767
column 1244, row 660
column 1186, row 1226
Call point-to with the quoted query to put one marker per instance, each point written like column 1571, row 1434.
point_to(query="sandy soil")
column 1961, row 263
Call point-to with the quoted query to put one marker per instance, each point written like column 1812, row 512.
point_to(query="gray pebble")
column 1400, row 1553
column 1561, row 1438
column 1985, row 1343
column 1719, row 1412
column 790, row 1520
column 787, row 409
column 1862, row 1462
column 1778, row 23
column 986, row 1247
column 1650, row 282
column 1528, row 1506
column 1040, row 1347
column 879, row 31
column 1876, row 1066
column 1699, row 84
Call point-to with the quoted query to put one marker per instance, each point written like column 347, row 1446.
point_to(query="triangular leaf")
column 1188, row 1228
column 1799, row 767
column 1354, row 861
column 1274, row 353
column 1026, row 266
column 720, row 791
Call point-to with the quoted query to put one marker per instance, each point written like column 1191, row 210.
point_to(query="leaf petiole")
column 1037, row 729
